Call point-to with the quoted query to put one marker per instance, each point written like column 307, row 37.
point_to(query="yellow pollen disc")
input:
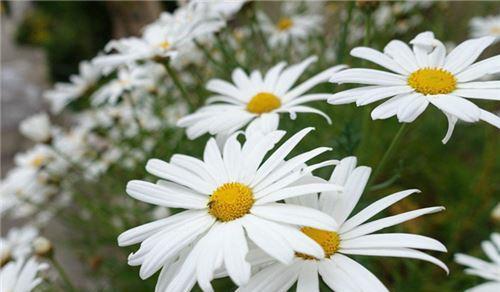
column 38, row 161
column 230, row 201
column 164, row 45
column 263, row 102
column 430, row 81
column 495, row 30
column 284, row 24
column 329, row 241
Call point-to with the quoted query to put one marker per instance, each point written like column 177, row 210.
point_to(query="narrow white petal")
column 378, row 58
column 410, row 111
column 367, row 76
column 308, row 280
column 390, row 240
column 294, row 191
column 480, row 69
column 235, row 251
column 466, row 53
column 363, row 277
column 489, row 93
column 457, row 106
column 490, row 118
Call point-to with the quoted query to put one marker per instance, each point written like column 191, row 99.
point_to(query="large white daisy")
column 486, row 270
column 422, row 76
column 352, row 237
column 254, row 97
column 229, row 197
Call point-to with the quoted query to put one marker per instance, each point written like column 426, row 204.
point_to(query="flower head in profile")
column 37, row 128
column 292, row 26
column 17, row 243
column 486, row 26
column 63, row 93
column 487, row 270
column 229, row 197
column 353, row 236
column 162, row 39
column 422, row 76
column 21, row 275
column 256, row 98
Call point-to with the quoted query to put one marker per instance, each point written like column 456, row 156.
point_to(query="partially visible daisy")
column 37, row 128
column 254, row 97
column 220, row 8
column 291, row 26
column 486, row 26
column 421, row 76
column 487, row 270
column 230, row 196
column 161, row 39
column 353, row 236
column 21, row 275
column 79, row 85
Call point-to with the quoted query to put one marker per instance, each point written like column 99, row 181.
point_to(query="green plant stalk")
column 207, row 54
column 387, row 153
column 63, row 274
column 179, row 85
column 345, row 30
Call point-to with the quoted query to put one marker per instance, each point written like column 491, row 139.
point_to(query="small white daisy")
column 230, row 196
column 486, row 26
column 220, row 8
column 291, row 26
column 18, row 242
column 422, row 76
column 486, row 270
column 64, row 93
column 352, row 237
column 254, row 97
column 161, row 39
column 37, row 128
column 21, row 275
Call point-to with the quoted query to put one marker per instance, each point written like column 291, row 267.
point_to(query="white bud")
column 36, row 128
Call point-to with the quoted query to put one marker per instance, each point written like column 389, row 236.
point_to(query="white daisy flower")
column 220, row 8
column 291, row 27
column 353, row 236
column 422, row 76
column 18, row 242
column 255, row 97
column 64, row 93
column 37, row 128
column 486, row 270
column 161, row 39
column 21, row 275
column 230, row 196
column 486, row 26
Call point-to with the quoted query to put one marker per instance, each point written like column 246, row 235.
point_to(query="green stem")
column 207, row 54
column 345, row 29
column 368, row 28
column 388, row 152
column 63, row 274
column 179, row 85
column 135, row 114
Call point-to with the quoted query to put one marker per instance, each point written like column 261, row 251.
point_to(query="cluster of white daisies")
column 250, row 210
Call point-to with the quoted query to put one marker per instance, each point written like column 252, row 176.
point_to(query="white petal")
column 174, row 197
column 479, row 85
column 388, row 221
column 235, row 251
column 363, row 277
column 296, row 215
column 214, row 163
column 378, row 58
column 308, row 280
column 490, row 93
column 466, row 53
column 291, row 74
column 402, row 54
column 410, row 111
column 336, row 278
column 398, row 252
column 367, row 76
column 294, row 191
column 350, row 95
column 390, row 240
column 480, row 69
column 490, row 118
column 391, row 106
column 457, row 106
column 452, row 120
column 224, row 88
column 381, row 93
column 375, row 208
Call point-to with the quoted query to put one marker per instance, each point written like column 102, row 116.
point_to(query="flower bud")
column 42, row 247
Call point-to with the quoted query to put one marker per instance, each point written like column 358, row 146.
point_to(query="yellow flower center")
column 263, row 102
column 164, row 45
column 329, row 241
column 284, row 24
column 495, row 30
column 430, row 81
column 230, row 201
column 38, row 160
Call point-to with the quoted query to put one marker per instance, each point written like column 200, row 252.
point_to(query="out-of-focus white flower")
column 64, row 93
column 256, row 98
column 18, row 242
column 21, row 275
column 161, row 39
column 37, row 128
column 219, row 8
column 486, row 26
column 42, row 246
column 487, row 270
column 230, row 196
column 291, row 26
column 353, row 236
column 495, row 214
column 422, row 76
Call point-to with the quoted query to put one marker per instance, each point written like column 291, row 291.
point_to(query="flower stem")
column 178, row 84
column 345, row 29
column 62, row 273
column 388, row 152
column 207, row 54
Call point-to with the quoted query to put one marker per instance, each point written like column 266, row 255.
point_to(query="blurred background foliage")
column 462, row 175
